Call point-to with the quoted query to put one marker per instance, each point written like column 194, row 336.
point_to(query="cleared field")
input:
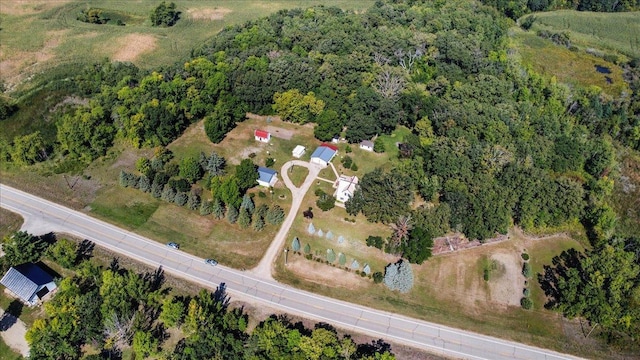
column 38, row 35
column 617, row 32
column 575, row 68
column 9, row 222
column 450, row 290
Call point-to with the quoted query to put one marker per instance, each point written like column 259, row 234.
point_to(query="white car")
column 173, row 245
column 211, row 262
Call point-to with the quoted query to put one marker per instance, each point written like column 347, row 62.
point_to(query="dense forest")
column 515, row 9
column 493, row 143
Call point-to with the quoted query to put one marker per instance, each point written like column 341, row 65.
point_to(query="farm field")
column 575, row 68
column 38, row 35
column 614, row 32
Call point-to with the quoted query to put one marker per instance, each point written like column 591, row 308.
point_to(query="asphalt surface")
column 43, row 216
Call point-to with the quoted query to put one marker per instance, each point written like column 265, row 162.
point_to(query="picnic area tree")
column 417, row 248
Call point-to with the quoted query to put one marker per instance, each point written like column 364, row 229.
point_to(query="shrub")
column 261, row 194
column 526, row 292
column 295, row 244
column 326, row 202
column 525, row 256
column 526, row 303
column 378, row 277
column 355, row 265
column 485, row 274
column 378, row 145
column 318, row 192
column 375, row 241
column 164, row 15
column 181, row 185
column 331, row 255
column 342, row 259
column 366, row 269
column 269, row 162
column 354, row 167
column 347, row 161
column 181, row 199
column 232, row 214
column 399, row 276
column 275, row 215
column 347, row 149
column 526, row 270
column 307, row 249
column 363, row 274
column 528, row 22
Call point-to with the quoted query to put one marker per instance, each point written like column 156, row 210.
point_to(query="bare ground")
column 208, row 13
column 132, row 46
column 323, row 274
column 27, row 7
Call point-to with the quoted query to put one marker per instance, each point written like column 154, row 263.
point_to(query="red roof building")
column 261, row 135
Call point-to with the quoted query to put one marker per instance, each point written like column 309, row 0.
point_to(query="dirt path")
column 265, row 267
column 13, row 331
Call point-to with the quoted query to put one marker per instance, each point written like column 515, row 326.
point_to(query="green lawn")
column 615, row 32
column 9, row 222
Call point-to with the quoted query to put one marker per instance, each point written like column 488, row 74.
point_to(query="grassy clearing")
column 615, row 32
column 450, row 290
column 626, row 196
column 9, row 222
column 575, row 68
column 37, row 37
column 298, row 174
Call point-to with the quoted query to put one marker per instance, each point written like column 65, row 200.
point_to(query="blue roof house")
column 28, row 282
column 324, row 154
column 267, row 177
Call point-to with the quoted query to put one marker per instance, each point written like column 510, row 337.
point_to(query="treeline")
column 517, row 8
column 104, row 312
column 173, row 182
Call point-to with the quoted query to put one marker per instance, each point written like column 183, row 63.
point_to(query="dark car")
column 173, row 245
column 211, row 262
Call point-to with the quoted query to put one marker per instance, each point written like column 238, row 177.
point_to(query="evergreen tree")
column 258, row 223
column 193, row 201
column 244, row 219
column 247, row 203
column 275, row 215
column 232, row 214
column 217, row 208
column 216, row 164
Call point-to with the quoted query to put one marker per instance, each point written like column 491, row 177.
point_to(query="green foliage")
column 269, row 162
column 600, row 286
column 375, row 241
column 247, row 175
column 307, row 249
column 526, row 303
column 331, row 256
column 526, row 292
column 381, row 196
column 247, row 204
column 275, row 215
column 258, row 223
column 181, row 199
column 21, row 247
column 28, row 149
column 64, row 253
column 206, row 207
column 232, row 214
column 216, row 164
column 326, row 202
column 328, row 125
column 378, row 277
column 244, row 218
column 93, row 16
column 295, row 244
column 168, row 194
column 526, row 270
column 418, row 247
column 190, row 169
column 399, row 276
column 342, row 259
column 144, row 344
column 378, row 145
column 217, row 208
column 164, row 15
column 346, row 161
column 87, row 133
column 292, row 106
column 193, row 201
column 525, row 256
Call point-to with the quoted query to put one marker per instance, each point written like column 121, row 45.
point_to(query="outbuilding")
column 366, row 145
column 299, row 151
column 262, row 136
column 345, row 187
column 324, row 154
column 28, row 282
column 267, row 177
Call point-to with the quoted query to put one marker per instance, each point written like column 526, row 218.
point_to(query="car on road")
column 173, row 245
column 211, row 262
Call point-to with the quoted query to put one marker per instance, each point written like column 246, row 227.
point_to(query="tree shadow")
column 85, row 250
column 11, row 315
column 220, row 295
column 551, row 276
column 375, row 347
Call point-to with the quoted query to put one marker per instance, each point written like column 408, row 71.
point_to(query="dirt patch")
column 505, row 286
column 27, row 7
column 280, row 133
column 131, row 46
column 208, row 14
column 323, row 274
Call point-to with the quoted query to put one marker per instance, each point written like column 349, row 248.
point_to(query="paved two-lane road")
column 44, row 216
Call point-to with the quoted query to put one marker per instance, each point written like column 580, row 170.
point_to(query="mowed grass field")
column 575, row 68
column 38, row 35
column 615, row 32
